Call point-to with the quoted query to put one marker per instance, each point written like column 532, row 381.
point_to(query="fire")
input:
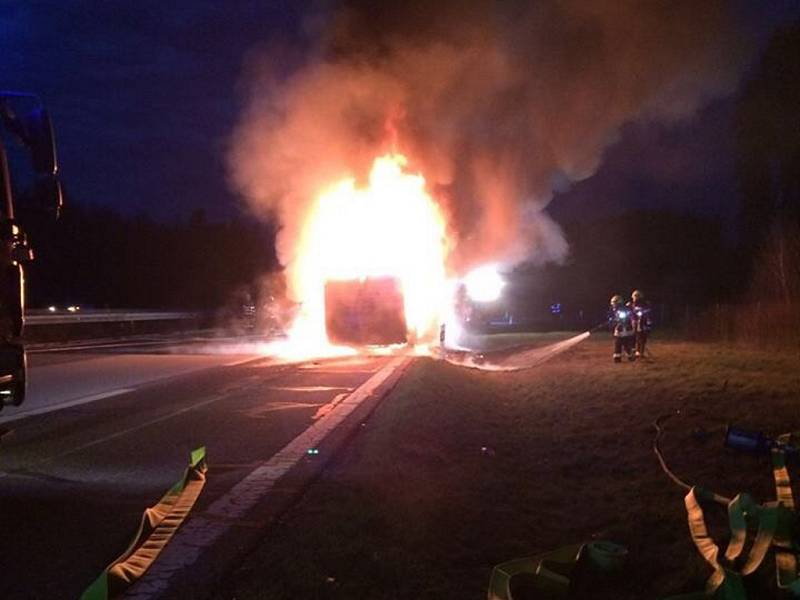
column 484, row 284
column 392, row 227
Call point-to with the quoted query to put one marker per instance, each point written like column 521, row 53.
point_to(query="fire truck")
column 26, row 132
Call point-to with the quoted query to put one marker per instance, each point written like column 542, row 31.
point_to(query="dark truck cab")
column 25, row 123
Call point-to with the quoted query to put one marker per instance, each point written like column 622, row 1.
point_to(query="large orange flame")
column 393, row 228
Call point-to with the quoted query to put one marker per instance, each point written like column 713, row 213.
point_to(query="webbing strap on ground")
column 552, row 570
column 726, row 582
column 786, row 544
column 156, row 528
column 777, row 528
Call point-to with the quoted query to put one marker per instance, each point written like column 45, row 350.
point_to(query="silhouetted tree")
column 768, row 137
column 97, row 257
column 676, row 259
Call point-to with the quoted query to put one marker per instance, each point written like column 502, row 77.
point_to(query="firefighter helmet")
column 637, row 295
column 616, row 299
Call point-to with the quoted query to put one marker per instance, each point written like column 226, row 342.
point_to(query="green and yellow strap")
column 552, row 570
column 777, row 529
column 786, row 537
column 776, row 523
column 725, row 582
column 159, row 523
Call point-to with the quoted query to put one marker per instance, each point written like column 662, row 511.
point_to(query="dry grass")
column 414, row 508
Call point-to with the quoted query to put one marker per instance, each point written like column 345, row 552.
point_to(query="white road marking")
column 311, row 388
column 202, row 531
column 64, row 384
column 66, row 404
column 123, row 432
column 236, row 363
column 276, row 406
column 110, row 345
column 321, row 371
column 117, row 434
column 351, row 365
column 326, row 408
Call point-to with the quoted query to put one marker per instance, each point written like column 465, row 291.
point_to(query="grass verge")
column 506, row 341
column 459, row 470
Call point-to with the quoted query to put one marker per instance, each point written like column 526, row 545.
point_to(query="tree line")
column 97, row 257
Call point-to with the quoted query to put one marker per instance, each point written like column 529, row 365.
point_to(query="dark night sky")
column 144, row 95
column 684, row 166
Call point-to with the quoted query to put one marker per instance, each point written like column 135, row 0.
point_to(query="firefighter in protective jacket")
column 621, row 323
column 642, row 320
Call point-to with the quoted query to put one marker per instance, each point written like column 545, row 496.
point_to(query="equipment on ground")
column 24, row 120
column 773, row 525
column 755, row 442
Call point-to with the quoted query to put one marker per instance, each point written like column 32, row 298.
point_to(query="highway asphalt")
column 107, row 432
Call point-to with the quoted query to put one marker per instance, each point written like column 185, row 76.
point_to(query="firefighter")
column 642, row 320
column 620, row 321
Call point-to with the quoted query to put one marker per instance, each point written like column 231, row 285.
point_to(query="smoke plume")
column 497, row 104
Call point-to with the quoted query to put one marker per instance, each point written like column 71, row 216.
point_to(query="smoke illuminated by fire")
column 392, row 227
column 502, row 105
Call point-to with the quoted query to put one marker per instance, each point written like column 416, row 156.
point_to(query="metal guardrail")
column 46, row 317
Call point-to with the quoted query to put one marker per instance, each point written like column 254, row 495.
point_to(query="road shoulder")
column 213, row 542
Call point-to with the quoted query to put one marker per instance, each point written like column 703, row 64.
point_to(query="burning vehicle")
column 365, row 312
column 370, row 262
column 370, row 266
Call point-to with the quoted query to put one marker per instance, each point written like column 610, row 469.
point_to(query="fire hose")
column 159, row 523
column 775, row 522
column 552, row 571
